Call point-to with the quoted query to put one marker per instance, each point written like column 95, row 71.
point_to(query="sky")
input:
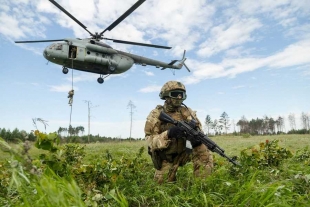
column 247, row 58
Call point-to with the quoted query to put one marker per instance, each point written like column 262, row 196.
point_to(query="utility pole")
column 89, row 105
column 131, row 106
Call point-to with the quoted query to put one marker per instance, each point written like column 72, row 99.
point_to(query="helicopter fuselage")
column 85, row 55
column 91, row 55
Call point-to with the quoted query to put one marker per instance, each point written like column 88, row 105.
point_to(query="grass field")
column 121, row 174
column 231, row 144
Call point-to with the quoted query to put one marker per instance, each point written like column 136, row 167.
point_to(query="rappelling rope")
column 71, row 88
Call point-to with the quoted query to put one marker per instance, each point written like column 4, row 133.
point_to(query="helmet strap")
column 188, row 111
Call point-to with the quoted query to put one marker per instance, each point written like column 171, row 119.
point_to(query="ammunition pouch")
column 158, row 156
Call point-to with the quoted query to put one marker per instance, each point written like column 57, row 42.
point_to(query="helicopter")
column 92, row 55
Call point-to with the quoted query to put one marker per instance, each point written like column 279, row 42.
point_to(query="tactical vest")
column 176, row 146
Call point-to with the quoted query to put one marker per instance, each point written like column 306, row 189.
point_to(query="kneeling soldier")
column 167, row 143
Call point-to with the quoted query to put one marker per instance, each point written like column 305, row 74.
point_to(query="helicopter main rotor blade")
column 138, row 43
column 121, row 18
column 36, row 41
column 71, row 16
column 186, row 67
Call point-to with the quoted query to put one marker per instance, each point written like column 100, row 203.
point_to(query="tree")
column 71, row 130
column 208, row 123
column 65, row 130
column 291, row 119
column 234, row 125
column 265, row 125
column 16, row 134
column 60, row 130
column 271, row 125
column 82, row 130
column 224, row 120
column 243, row 124
column 305, row 120
column 3, row 133
column 280, row 124
column 215, row 126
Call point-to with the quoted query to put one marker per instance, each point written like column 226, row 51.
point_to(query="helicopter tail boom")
column 179, row 65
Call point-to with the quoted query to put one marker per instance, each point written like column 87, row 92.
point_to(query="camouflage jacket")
column 156, row 130
column 70, row 94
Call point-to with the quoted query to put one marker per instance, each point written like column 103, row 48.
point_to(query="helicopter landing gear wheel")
column 65, row 70
column 100, row 80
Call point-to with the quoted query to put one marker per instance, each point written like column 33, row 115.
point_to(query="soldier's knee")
column 203, row 171
column 159, row 178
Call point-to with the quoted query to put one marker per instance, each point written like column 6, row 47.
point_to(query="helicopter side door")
column 76, row 52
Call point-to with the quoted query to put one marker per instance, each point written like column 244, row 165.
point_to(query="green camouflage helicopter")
column 91, row 55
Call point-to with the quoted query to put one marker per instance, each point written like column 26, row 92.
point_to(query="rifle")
column 192, row 133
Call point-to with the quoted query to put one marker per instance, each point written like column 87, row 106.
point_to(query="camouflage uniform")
column 170, row 153
column 70, row 96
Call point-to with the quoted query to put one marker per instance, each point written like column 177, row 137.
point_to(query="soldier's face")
column 176, row 102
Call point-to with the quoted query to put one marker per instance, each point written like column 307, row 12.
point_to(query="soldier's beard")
column 173, row 104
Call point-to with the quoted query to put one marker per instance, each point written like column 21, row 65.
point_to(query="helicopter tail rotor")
column 178, row 66
column 182, row 62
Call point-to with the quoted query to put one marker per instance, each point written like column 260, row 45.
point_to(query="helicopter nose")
column 45, row 53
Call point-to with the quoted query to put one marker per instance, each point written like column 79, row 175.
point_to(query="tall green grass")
column 121, row 174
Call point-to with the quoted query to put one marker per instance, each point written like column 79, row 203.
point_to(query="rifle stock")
column 192, row 133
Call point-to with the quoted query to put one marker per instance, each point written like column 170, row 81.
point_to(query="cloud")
column 148, row 73
column 293, row 55
column 227, row 35
column 279, row 9
column 150, row 89
column 35, row 84
column 237, row 87
column 10, row 27
column 296, row 54
column 63, row 88
column 35, row 50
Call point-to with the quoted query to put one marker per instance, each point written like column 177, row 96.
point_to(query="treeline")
column 259, row 126
column 21, row 135
column 16, row 135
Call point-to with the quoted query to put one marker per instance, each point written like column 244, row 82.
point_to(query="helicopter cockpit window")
column 59, row 46
column 52, row 46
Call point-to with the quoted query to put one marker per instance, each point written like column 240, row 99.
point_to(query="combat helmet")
column 173, row 89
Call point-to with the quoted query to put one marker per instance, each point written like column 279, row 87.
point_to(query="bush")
column 247, row 135
column 266, row 154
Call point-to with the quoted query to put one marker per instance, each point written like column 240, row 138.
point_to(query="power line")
column 89, row 106
column 131, row 106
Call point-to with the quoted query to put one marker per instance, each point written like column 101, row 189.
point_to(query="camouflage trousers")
column 70, row 101
column 202, row 162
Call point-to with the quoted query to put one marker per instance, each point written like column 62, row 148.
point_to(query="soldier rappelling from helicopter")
column 70, row 96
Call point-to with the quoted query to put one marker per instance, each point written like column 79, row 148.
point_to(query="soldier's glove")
column 195, row 142
column 175, row 132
